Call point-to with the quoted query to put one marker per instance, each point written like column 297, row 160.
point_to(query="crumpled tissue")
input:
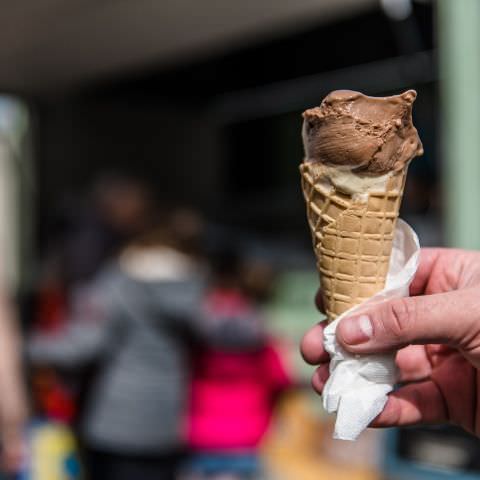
column 358, row 385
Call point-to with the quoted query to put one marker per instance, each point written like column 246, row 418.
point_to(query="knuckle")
column 399, row 316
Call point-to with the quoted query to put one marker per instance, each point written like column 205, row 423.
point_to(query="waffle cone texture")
column 352, row 237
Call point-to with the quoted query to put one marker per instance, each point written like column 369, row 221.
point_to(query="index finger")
column 311, row 347
column 319, row 301
column 428, row 257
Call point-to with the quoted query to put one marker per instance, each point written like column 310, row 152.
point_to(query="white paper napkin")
column 358, row 385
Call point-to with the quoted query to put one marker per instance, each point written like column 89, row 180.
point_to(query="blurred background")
column 156, row 265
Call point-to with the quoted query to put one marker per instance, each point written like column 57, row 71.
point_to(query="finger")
column 413, row 363
column 311, row 347
column 319, row 301
column 437, row 353
column 428, row 258
column 413, row 404
column 439, row 270
column 320, row 377
column 457, row 380
column 447, row 318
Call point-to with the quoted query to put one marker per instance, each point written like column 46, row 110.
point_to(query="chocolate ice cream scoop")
column 370, row 135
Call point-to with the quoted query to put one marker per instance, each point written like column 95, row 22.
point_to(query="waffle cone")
column 352, row 238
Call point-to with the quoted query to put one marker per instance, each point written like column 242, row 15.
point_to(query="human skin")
column 13, row 402
column 437, row 334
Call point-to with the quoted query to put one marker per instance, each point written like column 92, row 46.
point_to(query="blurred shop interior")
column 197, row 107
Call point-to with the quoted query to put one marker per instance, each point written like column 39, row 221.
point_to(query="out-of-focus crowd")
column 147, row 354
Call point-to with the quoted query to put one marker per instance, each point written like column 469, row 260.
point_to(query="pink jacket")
column 232, row 398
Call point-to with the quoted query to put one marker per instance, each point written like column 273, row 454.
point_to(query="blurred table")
column 300, row 446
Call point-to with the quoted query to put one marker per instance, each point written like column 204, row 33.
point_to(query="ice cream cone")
column 352, row 235
column 357, row 152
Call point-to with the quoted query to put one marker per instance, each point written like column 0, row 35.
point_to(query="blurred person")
column 13, row 399
column 436, row 333
column 257, row 279
column 238, row 375
column 87, row 232
column 136, row 320
column 119, row 207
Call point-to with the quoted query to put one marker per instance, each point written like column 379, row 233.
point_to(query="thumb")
column 452, row 318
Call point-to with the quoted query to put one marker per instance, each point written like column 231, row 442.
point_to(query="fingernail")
column 355, row 330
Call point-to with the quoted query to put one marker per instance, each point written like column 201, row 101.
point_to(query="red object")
column 52, row 394
column 51, row 310
column 232, row 398
column 54, row 399
column 227, row 301
column 60, row 404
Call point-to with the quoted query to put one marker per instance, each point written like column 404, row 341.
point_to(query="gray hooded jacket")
column 138, row 333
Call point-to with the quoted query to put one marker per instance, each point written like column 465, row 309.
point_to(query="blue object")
column 244, row 465
column 397, row 465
